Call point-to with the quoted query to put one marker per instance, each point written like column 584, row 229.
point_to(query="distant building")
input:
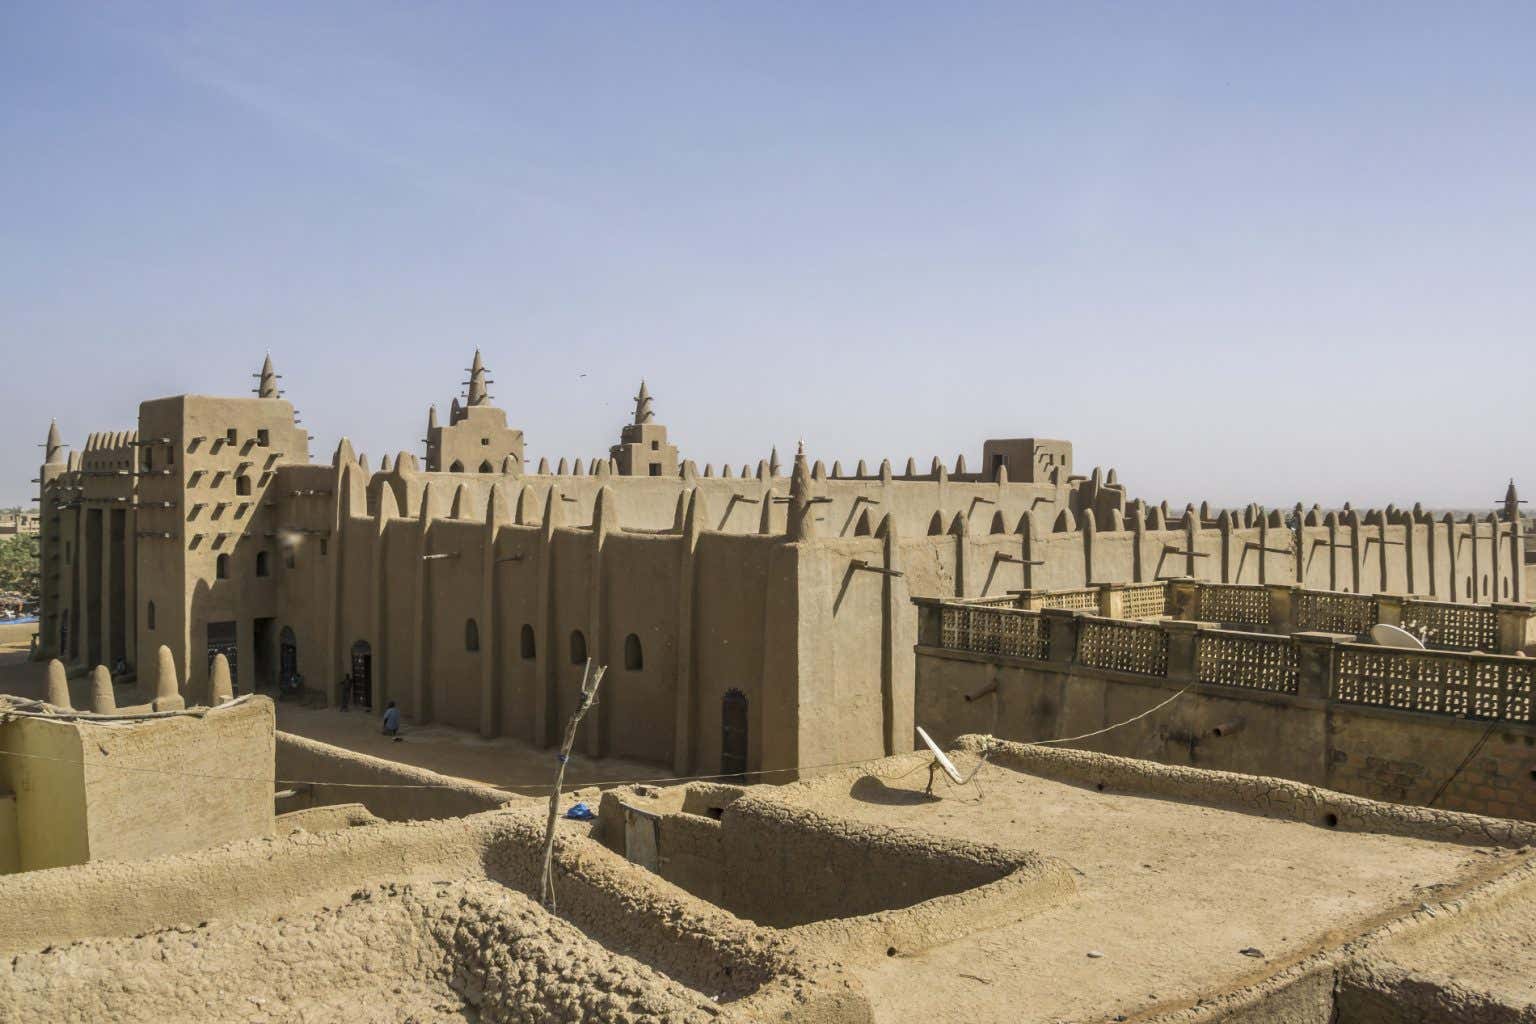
column 750, row 621
column 13, row 523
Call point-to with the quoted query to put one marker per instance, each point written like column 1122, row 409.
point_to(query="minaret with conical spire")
column 476, row 438
column 643, row 449
column 477, row 392
column 802, row 510
column 267, row 388
column 54, row 446
column 1511, row 503
column 643, row 412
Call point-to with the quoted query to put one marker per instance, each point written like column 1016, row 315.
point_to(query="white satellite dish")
column 1388, row 635
column 938, row 756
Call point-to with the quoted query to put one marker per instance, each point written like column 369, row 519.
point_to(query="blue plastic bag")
column 580, row 812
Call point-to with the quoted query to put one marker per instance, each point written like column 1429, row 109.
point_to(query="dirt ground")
column 1491, row 952
column 22, row 677
column 505, row 763
column 508, row 764
column 1170, row 895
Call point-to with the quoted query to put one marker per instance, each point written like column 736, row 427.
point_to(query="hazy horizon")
column 1238, row 253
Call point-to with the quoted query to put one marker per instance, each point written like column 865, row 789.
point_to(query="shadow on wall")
column 865, row 890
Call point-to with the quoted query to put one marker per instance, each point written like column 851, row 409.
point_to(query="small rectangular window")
column 322, row 547
column 232, row 436
column 264, row 437
column 655, row 469
column 655, row 446
column 485, row 440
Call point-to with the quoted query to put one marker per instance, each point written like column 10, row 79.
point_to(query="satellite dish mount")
column 941, row 762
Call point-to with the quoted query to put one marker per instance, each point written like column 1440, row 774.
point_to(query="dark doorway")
column 222, row 640
column 264, row 641
column 362, row 675
column 733, row 734
column 287, row 657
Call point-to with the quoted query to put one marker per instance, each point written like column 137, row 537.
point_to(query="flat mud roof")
column 1176, row 902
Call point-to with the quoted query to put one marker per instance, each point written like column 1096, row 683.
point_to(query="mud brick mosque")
column 752, row 619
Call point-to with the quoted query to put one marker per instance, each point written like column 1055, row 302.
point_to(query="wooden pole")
column 590, row 679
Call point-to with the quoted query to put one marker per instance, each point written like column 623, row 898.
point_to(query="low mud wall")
column 848, row 889
column 788, row 865
column 423, row 949
column 757, row 972
column 254, row 878
column 323, row 775
column 1270, row 797
column 328, row 818
column 1404, row 757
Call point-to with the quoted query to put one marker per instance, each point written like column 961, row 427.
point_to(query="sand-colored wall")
column 10, row 834
column 324, row 775
column 785, row 865
column 222, row 789
column 754, row 972
column 39, row 765
column 650, row 503
column 1376, row 753
column 88, row 790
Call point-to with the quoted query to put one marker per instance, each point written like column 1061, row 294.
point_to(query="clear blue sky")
column 1236, row 250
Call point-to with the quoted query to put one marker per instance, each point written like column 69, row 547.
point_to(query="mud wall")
column 429, row 947
column 87, row 791
column 788, row 866
column 1269, row 796
column 394, row 791
column 1398, row 757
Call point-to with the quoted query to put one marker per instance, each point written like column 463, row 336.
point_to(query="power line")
column 538, row 787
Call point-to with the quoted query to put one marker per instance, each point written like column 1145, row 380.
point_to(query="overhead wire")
column 544, row 788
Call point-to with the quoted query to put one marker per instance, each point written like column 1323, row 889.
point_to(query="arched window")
column 263, row 566
column 221, row 567
column 485, row 467
column 1506, row 586
column 1485, row 584
column 634, row 657
column 471, row 635
column 456, row 467
column 529, row 647
column 243, row 486
column 578, row 648
column 149, row 616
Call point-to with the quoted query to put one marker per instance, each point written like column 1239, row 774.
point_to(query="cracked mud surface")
column 407, row 953
column 1169, row 894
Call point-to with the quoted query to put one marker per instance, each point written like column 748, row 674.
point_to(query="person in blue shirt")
column 391, row 720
